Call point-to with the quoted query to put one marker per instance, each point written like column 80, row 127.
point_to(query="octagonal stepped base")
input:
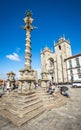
column 50, row 101
column 21, row 121
column 20, row 108
column 58, row 102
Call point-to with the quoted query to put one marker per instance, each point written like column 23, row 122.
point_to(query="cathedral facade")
column 53, row 65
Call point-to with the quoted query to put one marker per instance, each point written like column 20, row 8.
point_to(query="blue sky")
column 53, row 19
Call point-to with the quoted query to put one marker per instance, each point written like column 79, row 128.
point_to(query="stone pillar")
column 28, row 52
column 28, row 27
column 27, row 75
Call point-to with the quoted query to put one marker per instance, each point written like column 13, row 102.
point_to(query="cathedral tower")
column 53, row 63
column 62, row 51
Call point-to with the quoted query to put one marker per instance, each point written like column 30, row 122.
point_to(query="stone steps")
column 45, row 97
column 32, row 115
column 57, row 103
column 21, row 121
column 20, row 105
column 20, row 96
column 30, row 109
column 21, row 110
column 50, row 101
column 26, row 100
column 25, row 105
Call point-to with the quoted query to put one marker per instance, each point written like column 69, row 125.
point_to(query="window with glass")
column 71, row 72
column 77, row 62
column 79, row 70
column 70, row 64
column 79, row 76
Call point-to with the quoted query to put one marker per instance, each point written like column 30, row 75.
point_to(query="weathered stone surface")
column 20, row 108
column 27, row 75
column 53, row 65
column 67, row 117
column 50, row 101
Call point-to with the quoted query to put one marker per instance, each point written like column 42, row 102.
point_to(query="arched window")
column 51, row 62
column 59, row 47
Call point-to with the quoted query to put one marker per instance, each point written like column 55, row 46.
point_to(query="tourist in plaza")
column 3, row 87
column 64, row 91
column 50, row 89
column 8, row 86
column 53, row 86
column 56, row 91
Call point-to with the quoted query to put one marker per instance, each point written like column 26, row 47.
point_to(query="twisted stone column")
column 28, row 27
column 27, row 75
column 28, row 51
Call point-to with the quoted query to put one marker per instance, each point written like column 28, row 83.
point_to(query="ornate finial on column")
column 28, row 13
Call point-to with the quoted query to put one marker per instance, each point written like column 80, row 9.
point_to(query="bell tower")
column 62, row 51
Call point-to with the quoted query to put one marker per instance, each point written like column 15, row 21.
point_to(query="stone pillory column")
column 28, row 27
column 28, row 76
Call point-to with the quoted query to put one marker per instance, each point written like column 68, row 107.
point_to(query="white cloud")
column 13, row 56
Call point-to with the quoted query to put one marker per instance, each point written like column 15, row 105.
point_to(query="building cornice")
column 71, row 57
column 74, row 68
column 61, row 41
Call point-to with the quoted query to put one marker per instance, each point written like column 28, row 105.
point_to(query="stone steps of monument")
column 31, row 115
column 15, row 106
column 44, row 94
column 21, row 121
column 29, row 95
column 24, row 100
column 19, row 101
column 57, row 103
column 50, row 101
column 32, row 108
column 22, row 111
column 47, row 98
column 20, row 96
column 58, row 99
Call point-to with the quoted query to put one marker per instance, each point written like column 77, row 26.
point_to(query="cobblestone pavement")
column 67, row 117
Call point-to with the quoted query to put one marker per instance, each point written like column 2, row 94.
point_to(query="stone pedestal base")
column 44, row 83
column 45, row 75
column 28, row 77
column 45, row 79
